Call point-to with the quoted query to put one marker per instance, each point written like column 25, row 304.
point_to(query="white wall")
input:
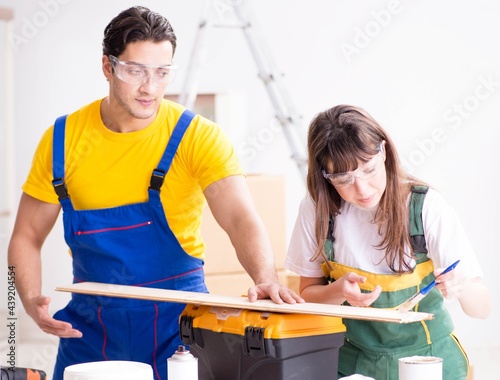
column 428, row 71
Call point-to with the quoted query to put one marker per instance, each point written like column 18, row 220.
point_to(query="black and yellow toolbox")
column 236, row 344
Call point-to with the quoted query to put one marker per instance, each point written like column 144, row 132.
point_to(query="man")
column 131, row 173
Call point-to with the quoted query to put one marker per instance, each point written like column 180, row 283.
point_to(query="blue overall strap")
column 161, row 170
column 58, row 162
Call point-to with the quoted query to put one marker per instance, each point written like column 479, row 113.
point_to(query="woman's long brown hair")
column 344, row 136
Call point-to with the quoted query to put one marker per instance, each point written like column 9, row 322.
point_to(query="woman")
column 351, row 244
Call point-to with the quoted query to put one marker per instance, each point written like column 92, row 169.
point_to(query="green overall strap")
column 417, row 238
column 328, row 247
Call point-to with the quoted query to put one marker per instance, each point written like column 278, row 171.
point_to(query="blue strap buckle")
column 60, row 188
column 157, row 179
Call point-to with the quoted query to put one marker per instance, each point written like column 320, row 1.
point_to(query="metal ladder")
column 283, row 107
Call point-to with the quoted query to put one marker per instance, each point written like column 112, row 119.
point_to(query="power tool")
column 18, row 373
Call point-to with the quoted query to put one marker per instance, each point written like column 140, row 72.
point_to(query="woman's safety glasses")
column 363, row 172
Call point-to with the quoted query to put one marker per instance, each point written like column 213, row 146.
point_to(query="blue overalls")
column 126, row 245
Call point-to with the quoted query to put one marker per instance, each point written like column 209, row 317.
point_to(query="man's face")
column 139, row 100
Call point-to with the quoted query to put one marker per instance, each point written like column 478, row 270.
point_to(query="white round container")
column 421, row 367
column 109, row 370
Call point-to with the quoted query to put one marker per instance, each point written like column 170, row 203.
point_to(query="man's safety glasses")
column 138, row 74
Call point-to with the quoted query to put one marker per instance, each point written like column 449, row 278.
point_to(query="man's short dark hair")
column 136, row 24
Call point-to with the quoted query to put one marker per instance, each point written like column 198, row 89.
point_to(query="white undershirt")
column 356, row 238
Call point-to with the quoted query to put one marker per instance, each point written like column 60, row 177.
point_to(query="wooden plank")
column 178, row 296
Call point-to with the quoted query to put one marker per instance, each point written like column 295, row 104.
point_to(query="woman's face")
column 364, row 186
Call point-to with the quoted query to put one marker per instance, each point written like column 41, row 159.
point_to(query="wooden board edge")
column 162, row 295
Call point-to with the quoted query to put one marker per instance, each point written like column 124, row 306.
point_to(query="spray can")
column 182, row 365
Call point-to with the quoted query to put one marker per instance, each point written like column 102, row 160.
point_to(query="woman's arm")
column 473, row 295
column 447, row 241
column 346, row 288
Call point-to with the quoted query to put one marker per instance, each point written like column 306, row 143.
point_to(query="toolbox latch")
column 188, row 334
column 254, row 342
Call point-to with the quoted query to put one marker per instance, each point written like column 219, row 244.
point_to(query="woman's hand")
column 451, row 284
column 351, row 290
column 346, row 288
column 473, row 296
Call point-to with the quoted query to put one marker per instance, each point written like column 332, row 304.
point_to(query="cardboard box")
column 268, row 193
column 235, row 284
column 253, row 345
column 292, row 281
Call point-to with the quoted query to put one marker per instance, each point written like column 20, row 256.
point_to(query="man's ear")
column 107, row 68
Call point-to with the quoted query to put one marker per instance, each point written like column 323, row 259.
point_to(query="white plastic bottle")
column 182, row 365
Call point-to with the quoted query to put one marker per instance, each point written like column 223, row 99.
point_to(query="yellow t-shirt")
column 107, row 169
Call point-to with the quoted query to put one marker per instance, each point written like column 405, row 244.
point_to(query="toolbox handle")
column 188, row 334
column 254, row 342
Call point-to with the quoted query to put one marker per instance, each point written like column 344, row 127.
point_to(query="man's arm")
column 34, row 221
column 232, row 207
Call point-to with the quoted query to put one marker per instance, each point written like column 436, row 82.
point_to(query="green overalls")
column 373, row 348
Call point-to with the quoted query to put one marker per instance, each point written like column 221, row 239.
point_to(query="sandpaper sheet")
column 178, row 296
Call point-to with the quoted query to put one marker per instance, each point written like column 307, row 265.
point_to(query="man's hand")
column 277, row 292
column 37, row 308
